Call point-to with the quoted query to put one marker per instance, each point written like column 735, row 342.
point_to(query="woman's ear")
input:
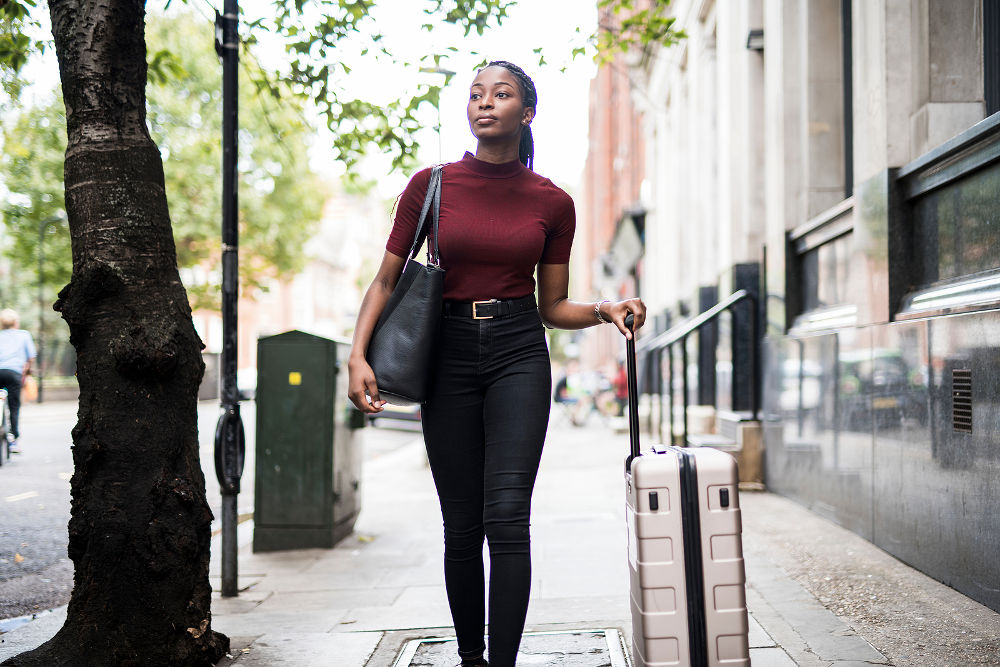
column 529, row 114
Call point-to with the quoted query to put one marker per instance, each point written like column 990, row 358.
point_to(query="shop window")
column 824, row 274
column 958, row 228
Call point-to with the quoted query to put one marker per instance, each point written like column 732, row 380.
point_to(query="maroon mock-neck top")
column 498, row 222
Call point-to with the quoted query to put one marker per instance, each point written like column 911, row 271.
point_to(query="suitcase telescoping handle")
column 633, row 394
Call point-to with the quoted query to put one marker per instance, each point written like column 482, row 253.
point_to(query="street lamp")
column 230, row 441
column 42, row 225
column 447, row 73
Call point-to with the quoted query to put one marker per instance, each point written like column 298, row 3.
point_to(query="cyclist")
column 17, row 351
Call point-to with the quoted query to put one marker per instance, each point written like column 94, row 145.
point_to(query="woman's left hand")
column 616, row 312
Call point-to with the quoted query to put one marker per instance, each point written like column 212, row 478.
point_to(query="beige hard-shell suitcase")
column 685, row 553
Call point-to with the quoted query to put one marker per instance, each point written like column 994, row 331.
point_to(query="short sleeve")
column 408, row 214
column 562, row 227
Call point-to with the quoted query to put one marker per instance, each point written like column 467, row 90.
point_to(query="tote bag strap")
column 432, row 205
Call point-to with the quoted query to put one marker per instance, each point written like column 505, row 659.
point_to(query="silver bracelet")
column 597, row 310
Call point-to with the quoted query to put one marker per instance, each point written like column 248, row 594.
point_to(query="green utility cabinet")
column 308, row 463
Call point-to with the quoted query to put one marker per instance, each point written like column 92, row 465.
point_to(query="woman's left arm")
column 559, row 312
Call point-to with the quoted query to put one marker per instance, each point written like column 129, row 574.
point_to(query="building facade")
column 607, row 248
column 840, row 158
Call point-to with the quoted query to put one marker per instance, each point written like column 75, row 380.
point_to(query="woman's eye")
column 475, row 96
column 502, row 95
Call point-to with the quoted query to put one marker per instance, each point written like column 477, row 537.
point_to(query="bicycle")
column 579, row 407
column 6, row 437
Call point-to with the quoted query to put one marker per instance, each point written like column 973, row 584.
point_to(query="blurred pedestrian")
column 620, row 384
column 17, row 351
column 484, row 423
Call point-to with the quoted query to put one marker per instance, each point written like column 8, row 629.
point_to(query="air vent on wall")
column 961, row 399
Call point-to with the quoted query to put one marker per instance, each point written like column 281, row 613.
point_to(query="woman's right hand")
column 361, row 386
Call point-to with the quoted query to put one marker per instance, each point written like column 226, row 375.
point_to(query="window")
column 957, row 228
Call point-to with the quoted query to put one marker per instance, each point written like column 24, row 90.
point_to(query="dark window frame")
column 847, row 57
column 991, row 55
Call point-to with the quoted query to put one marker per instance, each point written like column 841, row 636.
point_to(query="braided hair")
column 526, row 149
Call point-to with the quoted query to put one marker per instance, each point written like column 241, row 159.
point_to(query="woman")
column 17, row 351
column 484, row 423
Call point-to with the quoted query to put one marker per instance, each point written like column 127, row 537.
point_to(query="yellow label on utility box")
column 295, row 378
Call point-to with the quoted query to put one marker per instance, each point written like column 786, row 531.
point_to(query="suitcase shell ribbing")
column 685, row 551
column 657, row 563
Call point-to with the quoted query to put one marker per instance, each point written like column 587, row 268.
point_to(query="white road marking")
column 22, row 496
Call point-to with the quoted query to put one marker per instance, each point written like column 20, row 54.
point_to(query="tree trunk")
column 139, row 531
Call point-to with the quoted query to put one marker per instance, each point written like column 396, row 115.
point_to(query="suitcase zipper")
column 693, row 565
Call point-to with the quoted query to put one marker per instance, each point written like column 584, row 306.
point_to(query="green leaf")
column 633, row 30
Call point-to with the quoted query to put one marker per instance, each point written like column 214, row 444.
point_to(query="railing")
column 679, row 334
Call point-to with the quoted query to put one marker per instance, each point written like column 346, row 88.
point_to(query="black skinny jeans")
column 484, row 426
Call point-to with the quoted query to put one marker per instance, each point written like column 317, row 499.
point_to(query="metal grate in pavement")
column 560, row 648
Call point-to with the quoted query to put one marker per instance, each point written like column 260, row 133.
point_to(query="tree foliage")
column 280, row 197
column 634, row 25
column 31, row 169
column 31, row 165
column 16, row 44
column 314, row 32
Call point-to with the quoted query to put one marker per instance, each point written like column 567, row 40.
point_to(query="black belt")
column 489, row 309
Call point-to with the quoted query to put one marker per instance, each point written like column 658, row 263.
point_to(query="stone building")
column 838, row 158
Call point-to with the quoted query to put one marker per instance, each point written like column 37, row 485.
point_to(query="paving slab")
column 305, row 649
column 568, row 648
column 758, row 638
column 770, row 657
column 32, row 635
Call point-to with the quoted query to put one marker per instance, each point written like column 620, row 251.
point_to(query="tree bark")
column 139, row 531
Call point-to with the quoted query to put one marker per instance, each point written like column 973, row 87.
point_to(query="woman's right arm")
column 361, row 378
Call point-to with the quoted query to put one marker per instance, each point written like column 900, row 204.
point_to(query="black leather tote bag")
column 402, row 342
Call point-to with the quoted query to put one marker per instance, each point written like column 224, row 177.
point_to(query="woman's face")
column 496, row 106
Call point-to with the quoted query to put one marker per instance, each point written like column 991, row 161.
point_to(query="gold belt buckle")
column 476, row 315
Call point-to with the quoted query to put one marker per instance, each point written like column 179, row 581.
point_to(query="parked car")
column 897, row 391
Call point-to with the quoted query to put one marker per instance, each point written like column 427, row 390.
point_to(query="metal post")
column 800, row 407
column 42, row 226
column 649, row 414
column 229, row 437
column 41, row 306
column 756, row 377
column 736, row 357
column 659, row 391
column 447, row 73
column 684, row 385
column 670, row 390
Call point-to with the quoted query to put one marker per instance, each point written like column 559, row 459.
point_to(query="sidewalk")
column 370, row 600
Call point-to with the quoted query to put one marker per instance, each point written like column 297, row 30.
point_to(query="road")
column 35, row 572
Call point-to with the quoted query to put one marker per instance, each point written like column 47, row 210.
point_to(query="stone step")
column 715, row 440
